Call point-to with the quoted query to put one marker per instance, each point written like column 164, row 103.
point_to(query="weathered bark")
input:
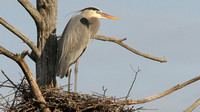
column 47, row 43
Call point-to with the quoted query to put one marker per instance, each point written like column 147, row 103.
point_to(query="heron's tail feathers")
column 62, row 71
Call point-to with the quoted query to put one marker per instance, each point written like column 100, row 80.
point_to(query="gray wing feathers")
column 74, row 40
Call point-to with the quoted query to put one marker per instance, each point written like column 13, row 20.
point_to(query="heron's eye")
column 97, row 11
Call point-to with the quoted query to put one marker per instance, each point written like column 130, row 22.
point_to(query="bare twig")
column 7, row 86
column 18, row 89
column 119, row 41
column 193, row 106
column 7, row 95
column 4, row 99
column 21, row 36
column 2, row 83
column 104, row 92
column 33, row 12
column 8, row 79
column 24, row 53
column 154, row 97
column 142, row 108
column 136, row 73
column 29, row 76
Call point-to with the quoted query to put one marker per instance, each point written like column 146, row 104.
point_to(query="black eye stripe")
column 91, row 8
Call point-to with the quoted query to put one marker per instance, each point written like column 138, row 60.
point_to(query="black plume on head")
column 91, row 8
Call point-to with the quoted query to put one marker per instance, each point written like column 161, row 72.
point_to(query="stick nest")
column 59, row 100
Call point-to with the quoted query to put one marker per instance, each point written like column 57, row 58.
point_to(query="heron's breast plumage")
column 74, row 40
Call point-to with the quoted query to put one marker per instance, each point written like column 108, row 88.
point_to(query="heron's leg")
column 76, row 71
column 69, row 76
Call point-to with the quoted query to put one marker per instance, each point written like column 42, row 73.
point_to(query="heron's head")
column 95, row 12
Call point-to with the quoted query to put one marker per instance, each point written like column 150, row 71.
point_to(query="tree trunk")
column 47, row 43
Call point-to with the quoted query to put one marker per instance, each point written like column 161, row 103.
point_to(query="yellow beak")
column 109, row 16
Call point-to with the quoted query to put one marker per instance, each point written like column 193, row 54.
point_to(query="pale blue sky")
column 169, row 28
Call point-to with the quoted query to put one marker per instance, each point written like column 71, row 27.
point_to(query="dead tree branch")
column 104, row 92
column 19, row 59
column 33, row 12
column 21, row 36
column 193, row 106
column 18, row 89
column 136, row 73
column 154, row 97
column 119, row 41
column 9, row 79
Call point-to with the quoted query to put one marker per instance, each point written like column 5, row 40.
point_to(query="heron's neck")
column 94, row 25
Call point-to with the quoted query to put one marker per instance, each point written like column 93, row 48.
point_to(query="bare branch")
column 119, row 41
column 9, row 79
column 29, row 76
column 24, row 53
column 33, row 12
column 193, row 106
column 21, row 36
column 104, row 38
column 3, row 97
column 104, row 92
column 154, row 97
column 18, row 89
column 136, row 73
column 8, row 54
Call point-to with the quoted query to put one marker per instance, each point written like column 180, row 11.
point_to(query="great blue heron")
column 76, row 36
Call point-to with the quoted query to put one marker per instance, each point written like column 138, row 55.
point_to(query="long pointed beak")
column 109, row 16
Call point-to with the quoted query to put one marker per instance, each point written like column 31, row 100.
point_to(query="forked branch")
column 136, row 74
column 33, row 12
column 19, row 59
column 120, row 42
column 154, row 97
column 21, row 36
